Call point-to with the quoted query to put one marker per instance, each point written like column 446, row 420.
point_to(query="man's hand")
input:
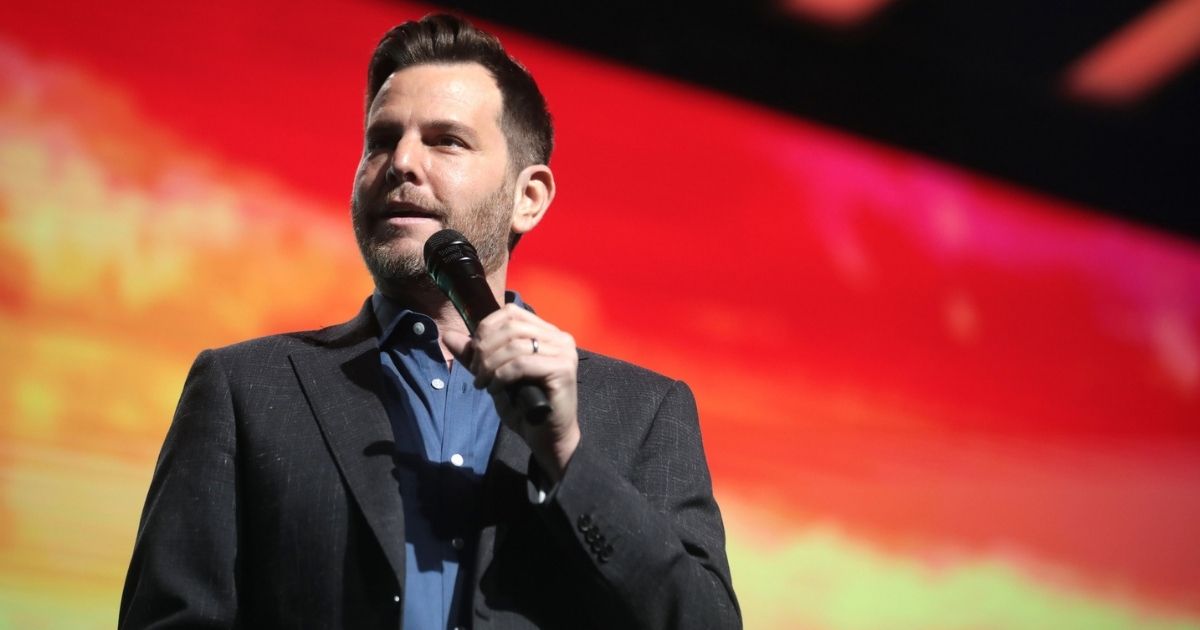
column 502, row 352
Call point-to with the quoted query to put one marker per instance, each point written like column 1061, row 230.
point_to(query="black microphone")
column 454, row 266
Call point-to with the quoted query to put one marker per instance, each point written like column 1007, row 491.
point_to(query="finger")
column 521, row 314
column 492, row 340
column 513, row 339
column 521, row 344
column 460, row 346
column 508, row 314
column 558, row 346
column 532, row 367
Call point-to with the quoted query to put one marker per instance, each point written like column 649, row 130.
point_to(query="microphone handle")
column 474, row 301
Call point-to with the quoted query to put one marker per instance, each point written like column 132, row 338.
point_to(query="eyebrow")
column 437, row 126
column 454, row 127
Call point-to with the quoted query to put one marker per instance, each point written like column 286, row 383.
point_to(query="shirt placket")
column 458, row 450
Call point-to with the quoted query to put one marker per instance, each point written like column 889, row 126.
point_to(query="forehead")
column 455, row 91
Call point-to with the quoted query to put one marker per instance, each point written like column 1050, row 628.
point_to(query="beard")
column 486, row 226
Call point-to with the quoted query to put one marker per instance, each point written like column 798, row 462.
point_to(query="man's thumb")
column 459, row 345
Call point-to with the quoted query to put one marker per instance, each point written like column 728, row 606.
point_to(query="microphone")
column 454, row 266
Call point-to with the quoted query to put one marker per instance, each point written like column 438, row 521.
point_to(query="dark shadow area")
column 972, row 83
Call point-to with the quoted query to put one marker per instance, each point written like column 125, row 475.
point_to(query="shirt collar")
column 393, row 316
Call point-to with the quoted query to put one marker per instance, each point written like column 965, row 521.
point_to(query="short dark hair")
column 441, row 38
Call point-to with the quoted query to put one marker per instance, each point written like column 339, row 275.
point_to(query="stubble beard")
column 402, row 270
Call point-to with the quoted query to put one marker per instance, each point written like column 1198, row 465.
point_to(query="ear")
column 532, row 194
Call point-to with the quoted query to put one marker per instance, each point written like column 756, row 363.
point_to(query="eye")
column 449, row 141
column 377, row 141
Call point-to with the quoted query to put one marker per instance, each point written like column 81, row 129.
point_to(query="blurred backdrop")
column 931, row 271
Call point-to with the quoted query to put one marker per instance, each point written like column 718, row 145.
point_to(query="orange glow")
column 1140, row 57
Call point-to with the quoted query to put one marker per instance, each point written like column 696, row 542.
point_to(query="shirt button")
column 438, row 383
column 395, row 598
column 457, row 543
column 456, row 459
column 418, row 328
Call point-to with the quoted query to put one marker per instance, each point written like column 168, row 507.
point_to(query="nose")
column 407, row 163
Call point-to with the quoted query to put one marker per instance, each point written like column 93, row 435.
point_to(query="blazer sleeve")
column 184, row 565
column 654, row 539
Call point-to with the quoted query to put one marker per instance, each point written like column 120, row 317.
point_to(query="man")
column 374, row 474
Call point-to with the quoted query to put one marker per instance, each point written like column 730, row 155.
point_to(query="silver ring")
column 535, row 345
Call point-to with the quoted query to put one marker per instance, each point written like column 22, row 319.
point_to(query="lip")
column 401, row 220
column 402, row 213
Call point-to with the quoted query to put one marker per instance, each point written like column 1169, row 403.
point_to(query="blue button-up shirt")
column 445, row 428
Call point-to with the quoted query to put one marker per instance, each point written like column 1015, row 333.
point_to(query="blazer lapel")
column 341, row 379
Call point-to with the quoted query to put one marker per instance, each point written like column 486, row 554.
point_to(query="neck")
column 423, row 296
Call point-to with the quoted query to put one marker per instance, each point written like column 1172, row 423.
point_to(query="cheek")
column 469, row 182
column 366, row 175
column 452, row 177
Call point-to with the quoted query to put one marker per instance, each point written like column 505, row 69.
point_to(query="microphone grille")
column 447, row 245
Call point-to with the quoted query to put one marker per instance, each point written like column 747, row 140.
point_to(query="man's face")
column 434, row 157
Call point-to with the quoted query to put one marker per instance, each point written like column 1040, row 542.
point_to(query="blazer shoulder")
column 275, row 348
column 260, row 348
column 267, row 344
column 599, row 367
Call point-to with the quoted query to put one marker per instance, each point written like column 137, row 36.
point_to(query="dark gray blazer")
column 274, row 503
